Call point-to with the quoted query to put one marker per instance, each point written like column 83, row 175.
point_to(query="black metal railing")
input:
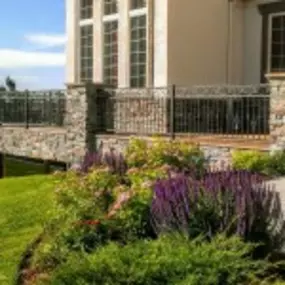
column 31, row 108
column 219, row 110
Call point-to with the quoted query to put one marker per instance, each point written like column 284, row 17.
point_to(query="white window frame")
column 110, row 18
column 106, row 19
column 133, row 14
column 138, row 12
column 80, row 8
column 85, row 24
column 269, row 38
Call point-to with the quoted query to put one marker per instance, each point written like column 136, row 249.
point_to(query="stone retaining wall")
column 44, row 143
column 217, row 156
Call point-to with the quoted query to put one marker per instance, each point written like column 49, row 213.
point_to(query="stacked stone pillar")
column 76, row 122
column 277, row 112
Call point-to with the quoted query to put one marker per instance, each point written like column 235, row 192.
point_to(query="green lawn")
column 24, row 203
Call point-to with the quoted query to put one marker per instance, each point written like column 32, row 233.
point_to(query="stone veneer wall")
column 277, row 114
column 218, row 156
column 44, row 143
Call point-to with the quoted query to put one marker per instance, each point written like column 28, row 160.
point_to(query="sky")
column 32, row 43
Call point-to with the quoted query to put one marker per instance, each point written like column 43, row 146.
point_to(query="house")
column 140, row 43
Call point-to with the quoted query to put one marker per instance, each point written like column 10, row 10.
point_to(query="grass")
column 24, row 204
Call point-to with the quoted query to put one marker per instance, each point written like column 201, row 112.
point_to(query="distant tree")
column 10, row 84
column 2, row 88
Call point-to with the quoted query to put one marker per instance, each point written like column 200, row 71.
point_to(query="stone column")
column 76, row 122
column 72, row 44
column 277, row 111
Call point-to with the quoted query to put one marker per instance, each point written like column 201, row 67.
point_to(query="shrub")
column 276, row 163
column 178, row 154
column 250, row 160
column 260, row 162
column 168, row 260
column 132, row 220
column 80, row 199
column 234, row 201
column 136, row 152
column 87, row 196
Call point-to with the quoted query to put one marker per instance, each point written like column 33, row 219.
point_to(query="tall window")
column 277, row 44
column 138, row 51
column 86, row 9
column 86, row 53
column 138, row 4
column 110, row 7
column 111, row 53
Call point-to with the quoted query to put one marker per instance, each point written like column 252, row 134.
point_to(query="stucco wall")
column 252, row 44
column 198, row 40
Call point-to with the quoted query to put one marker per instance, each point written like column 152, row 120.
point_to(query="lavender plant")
column 114, row 161
column 236, row 202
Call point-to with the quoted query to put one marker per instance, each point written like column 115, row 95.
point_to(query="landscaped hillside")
column 24, row 203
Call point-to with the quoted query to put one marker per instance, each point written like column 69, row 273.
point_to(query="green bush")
column 80, row 200
column 132, row 221
column 261, row 162
column 276, row 163
column 168, row 260
column 178, row 154
column 88, row 196
column 256, row 161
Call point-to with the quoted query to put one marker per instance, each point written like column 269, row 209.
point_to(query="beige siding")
column 197, row 42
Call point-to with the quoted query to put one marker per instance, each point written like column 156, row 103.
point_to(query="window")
column 86, row 9
column 138, row 52
column 86, row 53
column 137, row 4
column 110, row 7
column 111, row 53
column 277, row 43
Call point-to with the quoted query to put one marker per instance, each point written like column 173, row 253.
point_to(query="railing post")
column 2, row 109
column 50, row 108
column 27, row 109
column 172, row 111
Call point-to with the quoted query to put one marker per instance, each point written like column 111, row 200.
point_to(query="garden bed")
column 157, row 215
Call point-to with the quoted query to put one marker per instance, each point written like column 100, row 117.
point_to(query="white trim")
column 138, row 12
column 269, row 38
column 276, row 14
column 110, row 18
column 86, row 22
